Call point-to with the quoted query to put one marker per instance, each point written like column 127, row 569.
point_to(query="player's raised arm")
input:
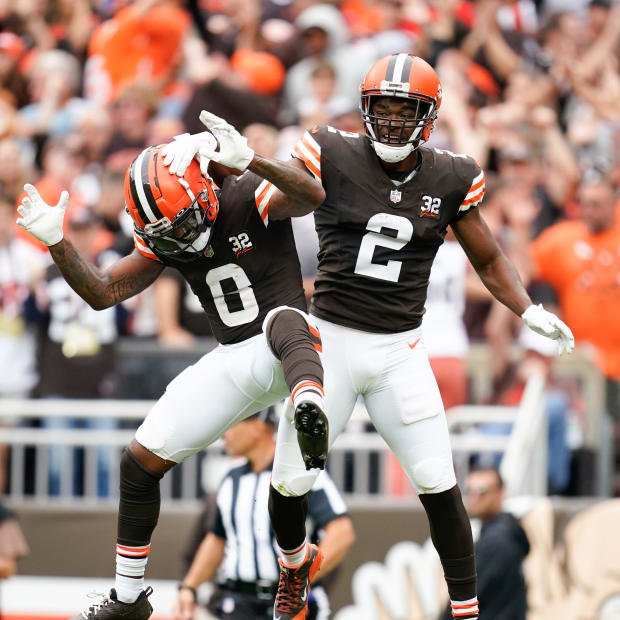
column 295, row 191
column 495, row 270
column 99, row 288
column 296, row 194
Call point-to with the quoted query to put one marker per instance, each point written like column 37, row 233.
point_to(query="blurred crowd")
column 531, row 89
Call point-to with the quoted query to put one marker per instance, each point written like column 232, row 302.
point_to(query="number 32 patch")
column 430, row 208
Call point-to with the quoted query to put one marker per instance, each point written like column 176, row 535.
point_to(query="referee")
column 240, row 546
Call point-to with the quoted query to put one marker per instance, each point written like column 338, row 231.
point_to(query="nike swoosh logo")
column 413, row 344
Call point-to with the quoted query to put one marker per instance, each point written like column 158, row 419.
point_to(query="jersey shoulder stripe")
column 467, row 175
column 144, row 249
column 475, row 193
column 262, row 198
column 308, row 150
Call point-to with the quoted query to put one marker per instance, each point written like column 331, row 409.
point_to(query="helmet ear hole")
column 424, row 108
column 208, row 201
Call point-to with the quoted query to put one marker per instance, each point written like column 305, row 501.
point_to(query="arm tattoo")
column 98, row 288
column 123, row 288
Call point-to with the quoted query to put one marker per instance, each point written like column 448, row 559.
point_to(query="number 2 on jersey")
column 404, row 231
column 249, row 311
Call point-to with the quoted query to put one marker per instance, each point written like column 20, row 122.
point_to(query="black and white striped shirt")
column 242, row 518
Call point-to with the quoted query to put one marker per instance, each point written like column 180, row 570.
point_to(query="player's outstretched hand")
column 549, row 325
column 234, row 151
column 179, row 153
column 40, row 219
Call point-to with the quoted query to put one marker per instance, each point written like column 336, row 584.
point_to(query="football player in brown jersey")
column 241, row 262
column 389, row 201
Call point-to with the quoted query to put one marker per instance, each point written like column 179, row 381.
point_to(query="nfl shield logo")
column 395, row 196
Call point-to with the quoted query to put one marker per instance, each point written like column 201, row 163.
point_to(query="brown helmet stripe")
column 404, row 76
column 134, row 192
column 146, row 184
column 155, row 172
column 389, row 74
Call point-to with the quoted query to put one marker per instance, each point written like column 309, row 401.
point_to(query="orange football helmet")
column 174, row 215
column 407, row 77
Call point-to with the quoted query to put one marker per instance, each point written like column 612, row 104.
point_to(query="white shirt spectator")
column 20, row 264
column 444, row 330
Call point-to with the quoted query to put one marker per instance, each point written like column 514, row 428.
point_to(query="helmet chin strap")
column 392, row 154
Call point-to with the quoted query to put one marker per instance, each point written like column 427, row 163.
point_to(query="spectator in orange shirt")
column 141, row 43
column 581, row 261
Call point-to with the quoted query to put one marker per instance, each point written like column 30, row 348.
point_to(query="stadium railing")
column 523, row 444
column 355, row 462
column 358, row 460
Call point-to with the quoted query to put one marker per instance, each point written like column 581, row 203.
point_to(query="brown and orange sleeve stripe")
column 262, row 197
column 308, row 150
column 475, row 193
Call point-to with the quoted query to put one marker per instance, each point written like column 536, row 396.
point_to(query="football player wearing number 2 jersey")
column 235, row 248
column 389, row 201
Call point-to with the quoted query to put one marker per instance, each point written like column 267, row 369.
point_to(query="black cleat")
column 110, row 608
column 312, row 434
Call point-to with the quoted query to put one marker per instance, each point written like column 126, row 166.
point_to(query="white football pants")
column 224, row 387
column 393, row 375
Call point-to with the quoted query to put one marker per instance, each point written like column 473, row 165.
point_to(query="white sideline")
column 67, row 596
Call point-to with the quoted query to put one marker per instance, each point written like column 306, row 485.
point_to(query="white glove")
column 179, row 153
column 547, row 324
column 234, row 150
column 40, row 219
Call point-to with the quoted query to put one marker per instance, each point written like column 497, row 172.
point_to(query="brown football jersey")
column 378, row 239
column 250, row 265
